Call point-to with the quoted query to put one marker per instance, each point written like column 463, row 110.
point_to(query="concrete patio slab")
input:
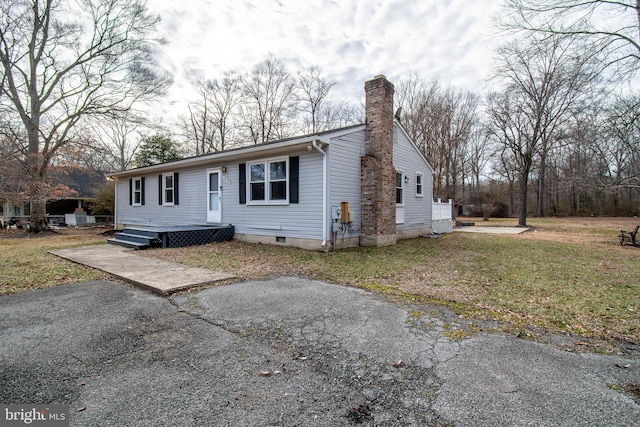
column 158, row 276
column 491, row 230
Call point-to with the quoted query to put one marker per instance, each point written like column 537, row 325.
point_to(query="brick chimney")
column 377, row 173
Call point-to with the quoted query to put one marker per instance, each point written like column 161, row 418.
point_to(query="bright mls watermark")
column 39, row 415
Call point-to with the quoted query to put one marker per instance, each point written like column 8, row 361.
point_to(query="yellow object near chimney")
column 344, row 212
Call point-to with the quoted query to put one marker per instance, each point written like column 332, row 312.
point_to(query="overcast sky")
column 351, row 40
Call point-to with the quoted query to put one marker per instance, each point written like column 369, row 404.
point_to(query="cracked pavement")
column 291, row 352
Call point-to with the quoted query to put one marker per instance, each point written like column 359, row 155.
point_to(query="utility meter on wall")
column 335, row 213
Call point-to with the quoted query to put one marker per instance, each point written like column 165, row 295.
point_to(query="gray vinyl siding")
column 191, row 209
column 301, row 220
column 344, row 175
column 406, row 158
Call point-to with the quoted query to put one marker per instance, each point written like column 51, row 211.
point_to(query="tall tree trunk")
column 541, row 184
column 37, row 165
column 524, row 186
column 38, row 201
column 512, row 202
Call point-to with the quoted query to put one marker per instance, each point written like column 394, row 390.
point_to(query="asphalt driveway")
column 289, row 352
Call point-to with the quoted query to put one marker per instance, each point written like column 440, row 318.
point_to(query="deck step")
column 134, row 238
column 127, row 244
column 152, row 234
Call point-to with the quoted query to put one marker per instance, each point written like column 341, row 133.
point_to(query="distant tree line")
column 559, row 134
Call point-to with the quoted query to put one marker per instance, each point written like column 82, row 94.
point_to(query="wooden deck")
column 171, row 236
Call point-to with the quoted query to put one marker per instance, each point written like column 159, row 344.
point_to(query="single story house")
column 81, row 182
column 14, row 214
column 363, row 185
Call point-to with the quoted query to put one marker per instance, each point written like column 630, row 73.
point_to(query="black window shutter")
column 242, row 179
column 294, row 169
column 159, row 189
column 175, row 188
column 130, row 192
column 142, row 190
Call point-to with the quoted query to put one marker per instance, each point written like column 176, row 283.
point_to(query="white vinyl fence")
column 441, row 220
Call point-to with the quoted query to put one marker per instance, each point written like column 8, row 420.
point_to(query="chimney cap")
column 380, row 76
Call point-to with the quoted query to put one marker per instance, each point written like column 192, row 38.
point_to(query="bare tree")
column 334, row 115
column 440, row 122
column 212, row 122
column 314, row 90
column 506, row 166
column 620, row 145
column 262, row 105
column 542, row 81
column 225, row 96
column 197, row 125
column 268, row 112
column 477, row 155
column 64, row 61
column 610, row 26
column 14, row 181
column 415, row 96
column 117, row 138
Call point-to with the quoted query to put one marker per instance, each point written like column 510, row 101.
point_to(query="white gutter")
column 207, row 159
column 115, row 204
column 324, row 191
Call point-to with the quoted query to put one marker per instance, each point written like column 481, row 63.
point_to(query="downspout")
column 115, row 204
column 324, row 191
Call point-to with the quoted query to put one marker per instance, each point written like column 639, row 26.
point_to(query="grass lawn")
column 565, row 275
column 25, row 263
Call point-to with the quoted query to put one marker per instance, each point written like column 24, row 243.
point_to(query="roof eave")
column 243, row 153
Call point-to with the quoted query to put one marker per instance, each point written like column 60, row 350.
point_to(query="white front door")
column 214, row 196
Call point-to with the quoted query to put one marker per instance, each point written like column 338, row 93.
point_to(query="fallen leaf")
column 84, row 408
column 398, row 363
column 265, row 373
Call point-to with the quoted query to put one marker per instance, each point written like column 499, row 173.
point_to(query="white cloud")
column 351, row 40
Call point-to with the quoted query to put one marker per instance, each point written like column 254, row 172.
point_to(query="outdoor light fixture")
column 406, row 179
column 224, row 169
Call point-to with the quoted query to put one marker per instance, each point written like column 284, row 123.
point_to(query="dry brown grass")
column 25, row 263
column 581, row 230
column 564, row 275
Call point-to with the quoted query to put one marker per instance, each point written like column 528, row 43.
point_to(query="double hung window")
column 137, row 192
column 168, row 189
column 269, row 181
column 399, row 188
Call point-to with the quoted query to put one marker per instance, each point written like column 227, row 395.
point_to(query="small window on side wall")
column 167, row 189
column 136, row 191
column 419, row 180
column 399, row 188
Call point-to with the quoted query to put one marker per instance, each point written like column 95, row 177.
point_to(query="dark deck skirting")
column 171, row 236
